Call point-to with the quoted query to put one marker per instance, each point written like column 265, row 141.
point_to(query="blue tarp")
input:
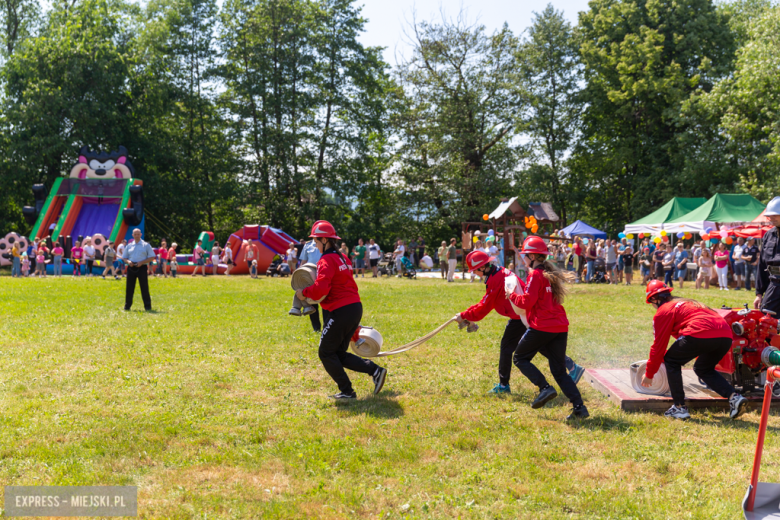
column 581, row 228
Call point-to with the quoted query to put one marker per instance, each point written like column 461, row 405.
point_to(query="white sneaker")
column 678, row 412
column 737, row 405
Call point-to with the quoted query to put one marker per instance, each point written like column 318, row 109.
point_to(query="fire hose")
column 304, row 277
column 367, row 341
column 660, row 384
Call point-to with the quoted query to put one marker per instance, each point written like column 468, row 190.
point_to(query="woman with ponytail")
column 548, row 327
column 341, row 313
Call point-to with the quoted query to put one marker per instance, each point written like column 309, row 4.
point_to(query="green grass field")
column 215, row 406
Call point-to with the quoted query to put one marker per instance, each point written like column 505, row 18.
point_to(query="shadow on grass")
column 382, row 406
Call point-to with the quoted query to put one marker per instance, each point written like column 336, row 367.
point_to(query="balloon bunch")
column 684, row 235
column 629, row 236
column 532, row 224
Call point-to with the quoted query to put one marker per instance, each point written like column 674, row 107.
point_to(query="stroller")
column 599, row 272
column 408, row 268
column 385, row 265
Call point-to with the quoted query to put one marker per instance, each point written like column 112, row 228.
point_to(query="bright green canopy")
column 675, row 208
column 718, row 209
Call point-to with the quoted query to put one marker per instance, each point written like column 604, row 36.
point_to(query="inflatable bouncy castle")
column 99, row 198
column 267, row 242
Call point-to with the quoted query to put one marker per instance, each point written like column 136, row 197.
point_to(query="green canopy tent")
column 654, row 222
column 719, row 209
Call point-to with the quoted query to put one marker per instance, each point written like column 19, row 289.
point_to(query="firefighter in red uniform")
column 700, row 333
column 495, row 298
column 341, row 314
column 548, row 327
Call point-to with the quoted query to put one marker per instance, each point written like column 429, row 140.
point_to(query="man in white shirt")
column 374, row 254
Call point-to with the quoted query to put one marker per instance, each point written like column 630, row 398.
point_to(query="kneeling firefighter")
column 496, row 279
column 341, row 313
column 700, row 333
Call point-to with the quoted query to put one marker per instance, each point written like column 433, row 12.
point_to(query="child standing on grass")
column 253, row 269
column 173, row 264
column 57, row 252
column 548, row 327
column 197, row 259
column 40, row 263
column 25, row 265
column 496, row 279
column 109, row 257
column 76, row 256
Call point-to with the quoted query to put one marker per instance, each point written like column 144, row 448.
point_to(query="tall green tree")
column 459, row 124
column 63, row 90
column 642, row 60
column 747, row 106
column 548, row 80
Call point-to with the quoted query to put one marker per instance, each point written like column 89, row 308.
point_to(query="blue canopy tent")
column 580, row 228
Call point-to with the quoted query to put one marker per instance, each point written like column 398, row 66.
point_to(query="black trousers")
column 513, row 333
column 771, row 300
column 340, row 325
column 140, row 274
column 710, row 352
column 551, row 345
column 315, row 318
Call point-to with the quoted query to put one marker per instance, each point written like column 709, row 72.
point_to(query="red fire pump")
column 754, row 347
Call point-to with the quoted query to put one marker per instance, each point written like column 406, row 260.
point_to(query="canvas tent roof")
column 509, row 205
column 581, row 228
column 543, row 211
column 718, row 209
column 654, row 222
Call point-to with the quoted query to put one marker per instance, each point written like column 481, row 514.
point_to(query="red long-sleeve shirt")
column 681, row 318
column 494, row 299
column 544, row 313
column 334, row 281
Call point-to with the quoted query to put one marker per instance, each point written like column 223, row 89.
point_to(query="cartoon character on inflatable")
column 102, row 165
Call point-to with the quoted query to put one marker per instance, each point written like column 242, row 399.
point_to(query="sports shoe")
column 678, row 412
column 379, row 379
column 576, row 373
column 578, row 412
column 500, row 389
column 342, row 395
column 309, row 309
column 737, row 405
column 545, row 396
column 295, row 312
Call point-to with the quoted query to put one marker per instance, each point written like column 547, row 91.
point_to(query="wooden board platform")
column 615, row 384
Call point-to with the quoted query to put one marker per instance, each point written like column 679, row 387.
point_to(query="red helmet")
column 535, row 245
column 323, row 229
column 477, row 259
column 655, row 287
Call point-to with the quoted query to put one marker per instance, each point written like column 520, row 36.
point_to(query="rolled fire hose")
column 371, row 346
column 660, row 384
column 304, row 277
column 511, row 286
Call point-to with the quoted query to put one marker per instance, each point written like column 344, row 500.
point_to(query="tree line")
column 272, row 111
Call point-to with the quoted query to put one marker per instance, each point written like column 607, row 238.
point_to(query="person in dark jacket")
column 768, row 275
column 342, row 312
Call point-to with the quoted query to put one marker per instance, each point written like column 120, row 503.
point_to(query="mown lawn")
column 215, row 406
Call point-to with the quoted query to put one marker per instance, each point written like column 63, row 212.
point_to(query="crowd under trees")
column 272, row 111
